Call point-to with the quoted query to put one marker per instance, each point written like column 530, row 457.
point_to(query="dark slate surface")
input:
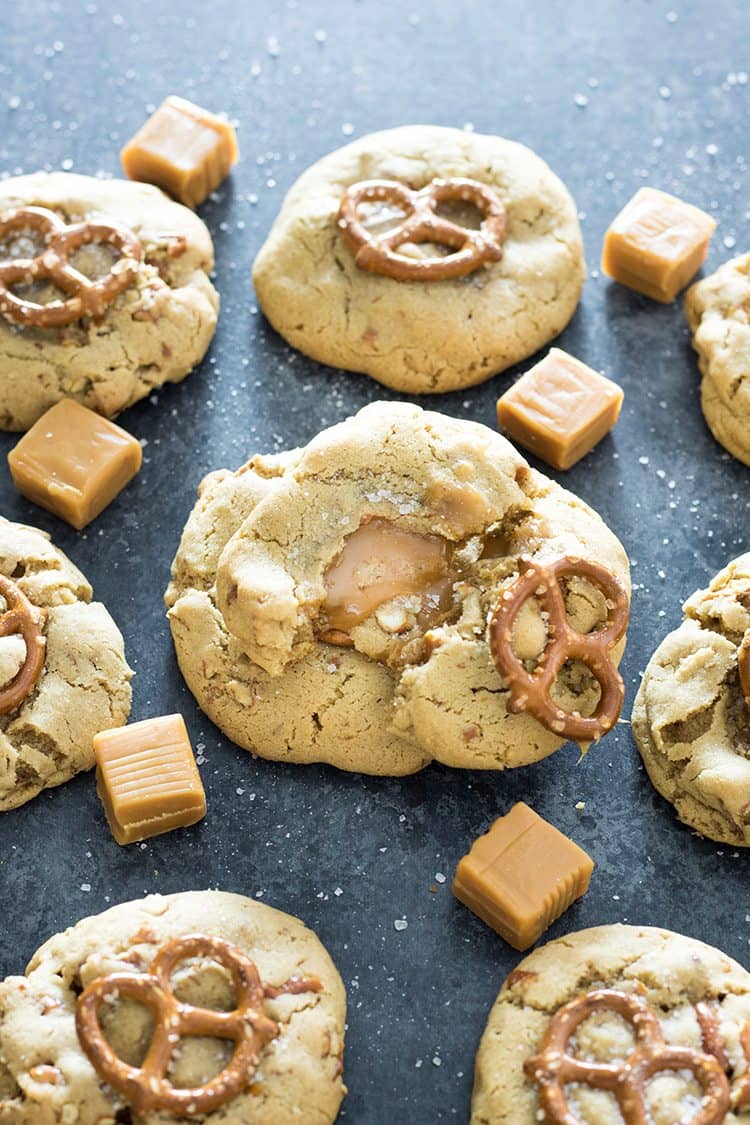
column 613, row 96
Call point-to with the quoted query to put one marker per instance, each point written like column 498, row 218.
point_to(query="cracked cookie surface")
column 413, row 336
column 410, row 677
column 153, row 333
column 671, row 972
column 45, row 1077
column 690, row 719
column 84, row 686
column 718, row 312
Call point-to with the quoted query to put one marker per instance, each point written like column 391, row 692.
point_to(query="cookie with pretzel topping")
column 718, row 314
column 618, row 1025
column 381, row 597
column 195, row 1006
column 104, row 293
column 691, row 717
column 426, row 257
column 63, row 673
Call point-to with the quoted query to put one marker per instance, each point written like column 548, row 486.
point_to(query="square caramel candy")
column 656, row 244
column 147, row 778
column 73, row 462
column 522, row 875
column 183, row 149
column 559, row 409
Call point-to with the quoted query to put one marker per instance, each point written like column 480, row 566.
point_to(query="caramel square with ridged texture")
column 559, row 409
column 147, row 778
column 73, row 462
column 657, row 244
column 183, row 149
column 522, row 875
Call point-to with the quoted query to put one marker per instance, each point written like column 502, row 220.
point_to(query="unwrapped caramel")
column 656, row 244
column 381, row 564
column 559, row 409
column 183, row 149
column 522, row 875
column 147, row 778
column 73, row 462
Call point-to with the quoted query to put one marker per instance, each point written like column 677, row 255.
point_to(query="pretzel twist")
column 19, row 619
column 530, row 691
column 554, row 1067
column 379, row 253
column 148, row 1087
column 84, row 296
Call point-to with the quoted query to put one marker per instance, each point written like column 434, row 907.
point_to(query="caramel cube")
column 183, row 149
column 147, row 778
column 73, row 462
column 522, row 875
column 656, row 244
column 559, row 409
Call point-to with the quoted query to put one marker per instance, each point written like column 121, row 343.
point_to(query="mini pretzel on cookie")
column 84, row 296
column 555, row 1068
column 380, row 253
column 148, row 1087
column 530, row 691
column 20, row 618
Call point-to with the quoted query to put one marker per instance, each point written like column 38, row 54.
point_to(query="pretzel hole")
column 589, row 1105
column 94, row 259
column 461, row 212
column 673, row 1095
column 21, row 244
column 422, row 250
column 605, row 1037
column 202, row 983
column 128, row 1027
column 585, row 604
column 41, row 292
column 12, row 657
column 381, row 215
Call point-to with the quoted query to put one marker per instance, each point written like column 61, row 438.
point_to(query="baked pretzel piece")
column 84, row 297
column 531, row 691
column 555, row 1067
column 21, row 619
column 148, row 1086
column 470, row 248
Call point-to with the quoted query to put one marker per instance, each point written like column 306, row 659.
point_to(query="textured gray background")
column 612, row 95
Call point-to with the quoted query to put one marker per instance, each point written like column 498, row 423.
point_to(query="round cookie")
column 47, row 1079
column 718, row 312
column 154, row 332
column 690, row 719
column 684, row 994
column 413, row 679
column 417, row 336
column 84, row 685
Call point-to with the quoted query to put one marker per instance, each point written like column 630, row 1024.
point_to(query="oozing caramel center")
column 380, row 562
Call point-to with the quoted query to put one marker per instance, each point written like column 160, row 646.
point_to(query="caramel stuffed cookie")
column 337, row 603
column 618, row 1024
column 104, row 293
column 429, row 258
column 200, row 1006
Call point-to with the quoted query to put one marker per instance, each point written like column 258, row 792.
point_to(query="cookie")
column 63, row 674
column 48, row 1018
column 304, row 644
column 145, row 321
column 424, row 336
column 718, row 312
column 586, row 997
column 691, row 719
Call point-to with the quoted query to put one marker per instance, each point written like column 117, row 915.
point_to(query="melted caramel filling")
column 380, row 562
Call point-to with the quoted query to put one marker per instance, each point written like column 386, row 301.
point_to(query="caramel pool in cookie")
column 333, row 603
